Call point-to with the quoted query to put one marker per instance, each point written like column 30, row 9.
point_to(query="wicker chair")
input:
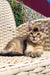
column 21, row 65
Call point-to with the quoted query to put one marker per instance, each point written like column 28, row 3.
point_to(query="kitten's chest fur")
column 34, row 46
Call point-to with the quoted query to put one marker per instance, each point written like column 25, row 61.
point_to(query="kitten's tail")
column 4, row 53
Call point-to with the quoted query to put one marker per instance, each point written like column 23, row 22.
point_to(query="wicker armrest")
column 7, row 24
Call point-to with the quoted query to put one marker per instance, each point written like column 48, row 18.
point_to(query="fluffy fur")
column 15, row 46
column 34, row 41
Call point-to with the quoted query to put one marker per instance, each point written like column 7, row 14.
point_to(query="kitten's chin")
column 34, row 41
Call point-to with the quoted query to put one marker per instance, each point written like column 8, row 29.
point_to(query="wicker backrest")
column 7, row 24
column 23, row 30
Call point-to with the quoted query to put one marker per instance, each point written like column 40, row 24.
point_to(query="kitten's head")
column 37, row 34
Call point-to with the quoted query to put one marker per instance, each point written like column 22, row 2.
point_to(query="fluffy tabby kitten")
column 33, row 48
column 34, row 40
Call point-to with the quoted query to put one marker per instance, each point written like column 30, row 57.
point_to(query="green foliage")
column 17, row 10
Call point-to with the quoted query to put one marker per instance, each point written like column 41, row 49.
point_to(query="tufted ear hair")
column 30, row 25
column 43, row 27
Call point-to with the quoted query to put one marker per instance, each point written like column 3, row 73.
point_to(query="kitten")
column 31, row 46
column 34, row 40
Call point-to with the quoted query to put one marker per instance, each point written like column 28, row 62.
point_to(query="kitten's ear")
column 43, row 27
column 29, row 25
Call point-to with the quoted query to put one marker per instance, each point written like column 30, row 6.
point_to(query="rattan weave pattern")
column 7, row 24
column 22, row 65
column 23, row 30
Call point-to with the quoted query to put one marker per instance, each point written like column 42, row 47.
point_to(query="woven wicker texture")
column 22, row 65
column 7, row 24
column 23, row 30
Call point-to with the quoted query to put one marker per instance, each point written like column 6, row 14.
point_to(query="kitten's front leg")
column 39, row 51
column 33, row 52
column 29, row 51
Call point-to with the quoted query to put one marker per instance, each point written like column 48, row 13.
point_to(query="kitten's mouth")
column 35, row 41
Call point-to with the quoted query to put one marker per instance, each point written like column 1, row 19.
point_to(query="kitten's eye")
column 31, row 33
column 38, row 33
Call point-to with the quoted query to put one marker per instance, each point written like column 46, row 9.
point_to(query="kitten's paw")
column 30, row 54
column 39, row 52
column 33, row 54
